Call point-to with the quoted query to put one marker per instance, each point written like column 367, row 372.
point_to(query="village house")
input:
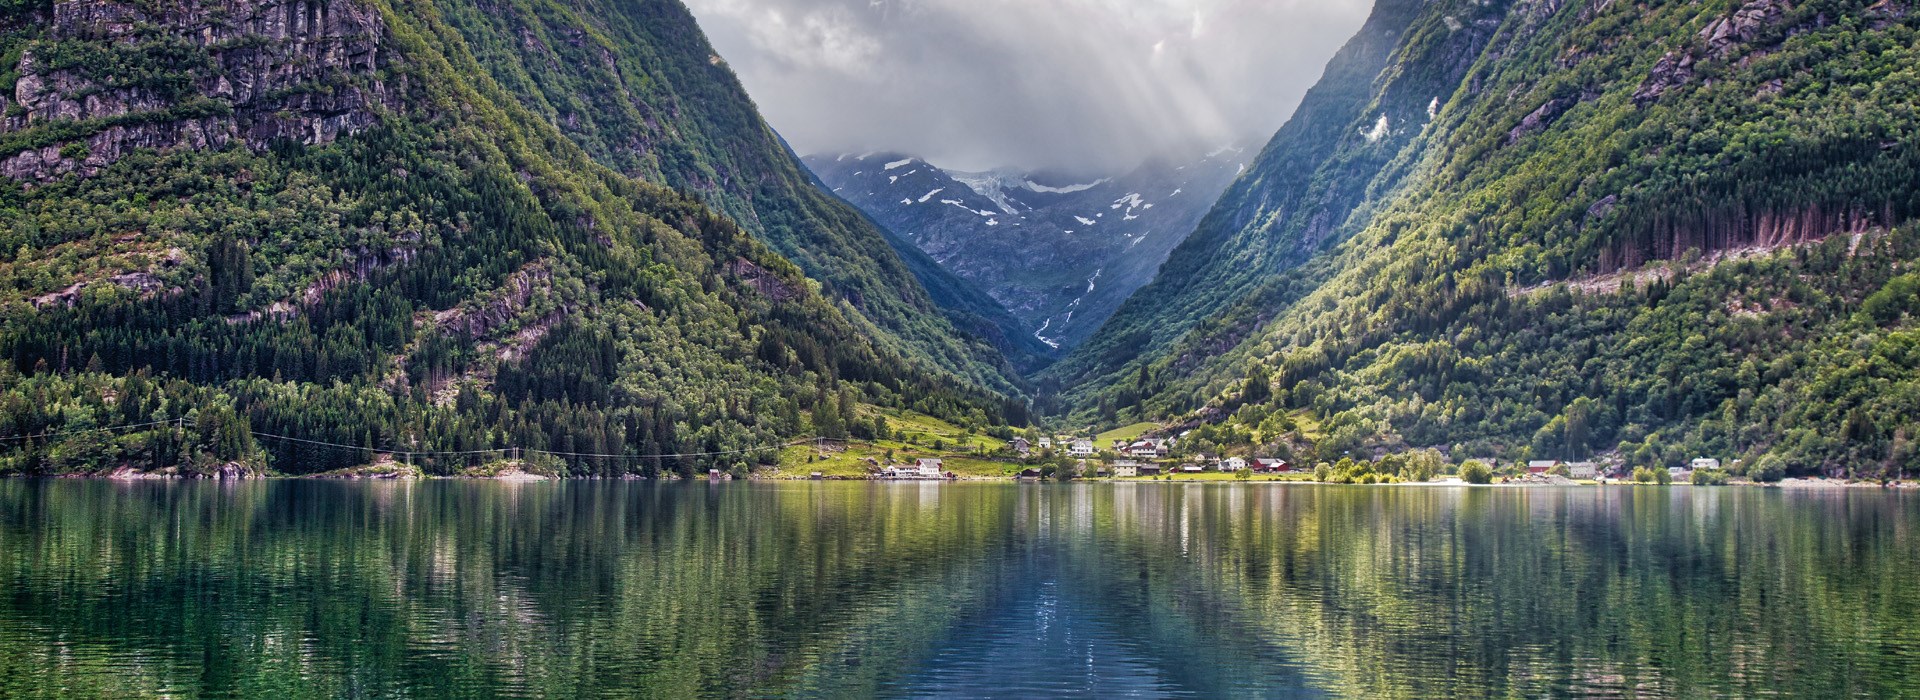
column 1029, row 475
column 1583, row 470
column 1232, row 464
column 1705, row 463
column 1266, row 465
column 1082, row 447
column 922, row 469
column 1022, row 447
column 1541, row 466
column 1191, row 468
column 1046, row 443
column 1147, row 449
column 1149, row 469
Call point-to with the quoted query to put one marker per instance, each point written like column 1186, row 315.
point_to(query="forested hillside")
column 327, row 222
column 635, row 83
column 1560, row 229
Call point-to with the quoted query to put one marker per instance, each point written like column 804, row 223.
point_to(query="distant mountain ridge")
column 1059, row 252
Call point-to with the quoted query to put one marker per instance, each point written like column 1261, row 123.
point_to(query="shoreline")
column 1795, row 484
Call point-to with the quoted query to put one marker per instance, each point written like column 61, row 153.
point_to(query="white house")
column 1082, row 447
column 1046, row 443
column 1148, row 449
column 1705, row 463
column 1232, row 464
column 1123, row 468
column 1583, row 470
column 923, row 469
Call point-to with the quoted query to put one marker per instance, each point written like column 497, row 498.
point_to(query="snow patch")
column 1069, row 189
column 899, row 164
column 929, row 195
column 1084, row 221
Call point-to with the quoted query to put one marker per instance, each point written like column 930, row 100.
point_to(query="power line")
column 343, row 446
column 183, row 422
column 178, row 422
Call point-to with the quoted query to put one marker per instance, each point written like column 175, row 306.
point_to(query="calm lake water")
column 290, row 589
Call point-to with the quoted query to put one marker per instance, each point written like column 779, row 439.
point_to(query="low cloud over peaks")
column 1084, row 85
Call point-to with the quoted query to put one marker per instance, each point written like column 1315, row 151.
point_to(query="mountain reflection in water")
column 323, row 589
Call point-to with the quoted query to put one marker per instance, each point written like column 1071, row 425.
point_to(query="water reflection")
column 324, row 589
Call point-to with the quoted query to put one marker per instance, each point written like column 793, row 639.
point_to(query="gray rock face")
column 213, row 72
column 1060, row 253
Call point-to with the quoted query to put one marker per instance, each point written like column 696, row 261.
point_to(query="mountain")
column 250, row 234
column 636, row 85
column 1645, row 230
column 1061, row 253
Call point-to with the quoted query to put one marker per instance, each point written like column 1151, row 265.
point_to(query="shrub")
column 1709, row 477
column 1476, row 472
column 1769, row 470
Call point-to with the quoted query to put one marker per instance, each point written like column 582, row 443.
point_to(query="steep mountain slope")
column 1061, row 255
column 636, row 84
column 321, row 222
column 1662, row 229
column 1302, row 185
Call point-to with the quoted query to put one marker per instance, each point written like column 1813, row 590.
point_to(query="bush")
column 1476, row 472
column 1769, row 470
column 1709, row 477
column 1652, row 475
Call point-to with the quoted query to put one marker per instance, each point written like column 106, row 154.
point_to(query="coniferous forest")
column 388, row 249
column 1651, row 231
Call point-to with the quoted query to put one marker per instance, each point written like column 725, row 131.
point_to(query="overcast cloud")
column 1086, row 85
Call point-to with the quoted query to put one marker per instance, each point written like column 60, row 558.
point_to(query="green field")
column 1128, row 433
column 915, row 436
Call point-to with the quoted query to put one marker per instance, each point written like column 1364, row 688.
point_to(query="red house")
column 1270, row 466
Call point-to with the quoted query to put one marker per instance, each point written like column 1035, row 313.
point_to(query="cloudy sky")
column 1083, row 85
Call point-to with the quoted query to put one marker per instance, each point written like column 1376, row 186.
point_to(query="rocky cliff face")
column 113, row 76
column 1061, row 253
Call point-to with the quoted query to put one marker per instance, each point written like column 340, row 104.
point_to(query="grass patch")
column 916, row 434
column 1127, row 433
